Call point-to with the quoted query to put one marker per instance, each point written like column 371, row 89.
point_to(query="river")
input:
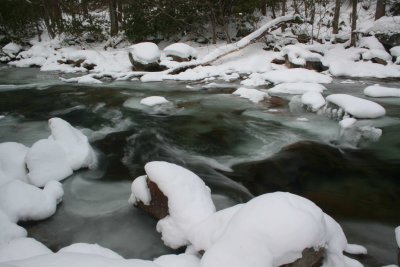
column 240, row 149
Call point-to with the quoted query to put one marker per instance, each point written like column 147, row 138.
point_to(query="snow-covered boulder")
column 75, row 144
column 153, row 101
column 145, row 57
column 274, row 229
column 12, row 49
column 22, row 248
column 253, row 95
column 381, row 91
column 12, row 161
column 22, row 202
column 180, row 52
column 91, row 249
column 295, row 76
column 181, row 260
column 297, row 88
column 47, row 161
column 313, row 100
column 386, row 29
column 298, row 56
column 355, row 106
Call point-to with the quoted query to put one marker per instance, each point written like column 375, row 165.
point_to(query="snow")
column 397, row 234
column 381, row 91
column 395, row 51
column 386, row 25
column 376, row 53
column 11, row 49
column 86, row 79
column 181, row 260
column 145, row 53
column 299, row 55
column 21, row 201
column 357, row 107
column 91, row 249
column 363, row 69
column 153, row 101
column 12, row 161
column 356, row 249
column 253, row 95
column 140, row 191
column 47, row 161
column 9, row 230
column 22, row 248
column 180, row 50
column 347, row 123
column 75, row 144
column 297, row 88
column 370, row 42
column 272, row 230
column 181, row 186
column 296, row 75
column 313, row 100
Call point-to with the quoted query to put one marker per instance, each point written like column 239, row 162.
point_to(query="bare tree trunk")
column 296, row 7
column 263, row 7
column 283, row 14
column 273, row 10
column 113, row 17
column 380, row 9
column 120, row 11
column 335, row 24
column 353, row 23
column 85, row 9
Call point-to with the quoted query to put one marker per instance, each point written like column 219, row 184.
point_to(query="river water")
column 240, row 150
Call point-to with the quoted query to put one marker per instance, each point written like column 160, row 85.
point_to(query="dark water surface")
column 240, row 150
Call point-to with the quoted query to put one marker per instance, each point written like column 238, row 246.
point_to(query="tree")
column 335, row 23
column 380, row 9
column 353, row 23
column 113, row 17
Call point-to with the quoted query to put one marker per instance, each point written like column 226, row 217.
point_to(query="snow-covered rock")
column 11, row 49
column 357, row 107
column 297, row 88
column 313, row 100
column 381, row 91
column 47, row 161
column 21, row 201
column 395, row 51
column 153, row 101
column 12, row 161
column 272, row 230
column 140, row 191
column 75, row 144
column 22, row 248
column 299, row 55
column 296, row 76
column 146, row 52
column 181, row 51
column 253, row 95
column 363, row 69
column 181, row 260
column 91, row 249
column 386, row 24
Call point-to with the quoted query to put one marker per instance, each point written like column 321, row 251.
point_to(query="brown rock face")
column 310, row 258
column 158, row 207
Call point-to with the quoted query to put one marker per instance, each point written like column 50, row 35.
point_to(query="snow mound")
column 299, row 55
column 153, row 101
column 21, row 201
column 91, row 249
column 12, row 160
column 295, row 76
column 272, row 230
column 47, row 161
column 140, row 191
column 22, row 248
column 180, row 50
column 313, row 100
column 181, row 260
column 75, row 144
column 253, row 95
column 386, row 25
column 11, row 49
column 395, row 51
column 145, row 53
column 363, row 69
column 181, row 186
column 376, row 53
column 297, row 88
column 9, row 230
column 381, row 91
column 357, row 107
column 370, row 42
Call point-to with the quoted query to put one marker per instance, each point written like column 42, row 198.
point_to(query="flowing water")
column 240, row 150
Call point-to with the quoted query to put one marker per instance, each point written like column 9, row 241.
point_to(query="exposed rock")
column 158, row 207
column 378, row 61
column 74, row 63
column 389, row 40
column 278, row 61
column 310, row 65
column 303, row 38
column 151, row 67
column 89, row 66
column 310, row 258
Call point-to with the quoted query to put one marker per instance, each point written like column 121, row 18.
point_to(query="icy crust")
column 381, row 91
column 153, row 101
column 181, row 50
column 145, row 53
column 253, row 95
column 181, row 186
column 357, row 107
column 313, row 100
column 297, row 88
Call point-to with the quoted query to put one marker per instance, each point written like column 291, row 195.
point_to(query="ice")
column 22, row 248
column 297, row 88
column 180, row 50
column 86, row 79
column 313, row 100
column 145, row 53
column 381, row 91
column 91, row 249
column 353, row 134
column 253, row 95
column 75, row 144
column 12, row 160
column 153, row 100
column 47, row 161
column 357, row 107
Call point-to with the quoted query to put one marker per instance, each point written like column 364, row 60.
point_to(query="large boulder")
column 145, row 57
column 180, row 52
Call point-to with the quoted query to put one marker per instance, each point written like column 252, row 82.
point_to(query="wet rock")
column 158, row 207
column 310, row 258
